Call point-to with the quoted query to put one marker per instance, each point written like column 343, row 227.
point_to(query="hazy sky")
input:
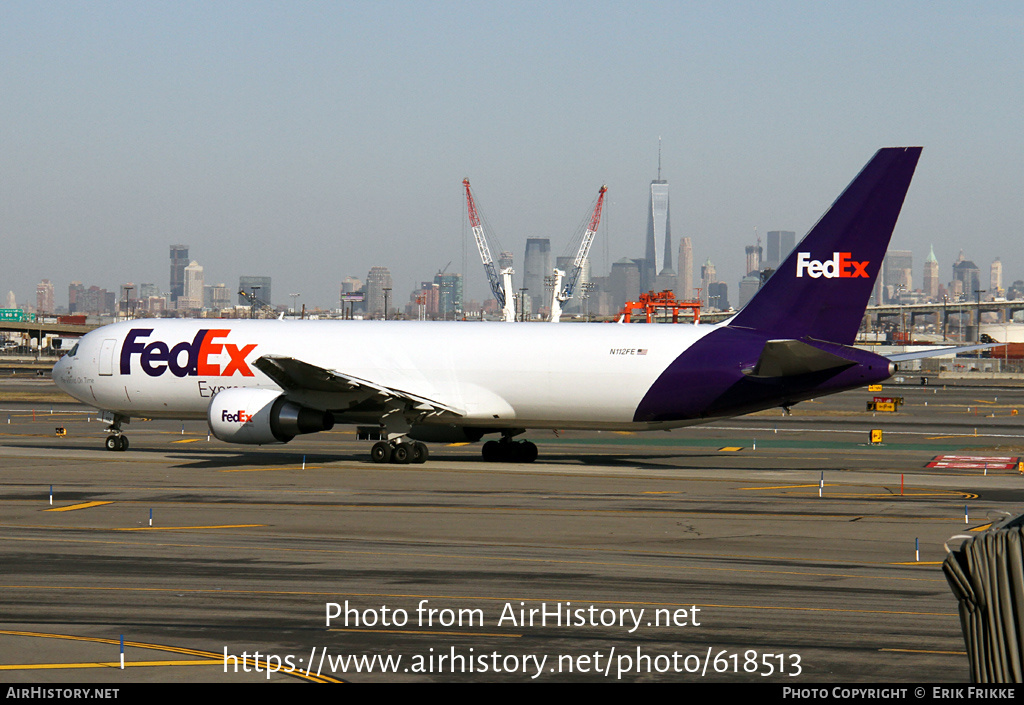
column 309, row 141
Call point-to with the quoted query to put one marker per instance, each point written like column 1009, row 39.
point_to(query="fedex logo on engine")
column 240, row 417
column 839, row 266
column 185, row 359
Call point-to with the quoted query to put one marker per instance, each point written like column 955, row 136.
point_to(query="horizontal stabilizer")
column 936, row 352
column 787, row 358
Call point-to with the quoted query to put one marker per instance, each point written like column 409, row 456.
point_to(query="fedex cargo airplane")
column 267, row 381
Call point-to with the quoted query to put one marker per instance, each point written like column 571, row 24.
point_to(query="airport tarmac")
column 767, row 548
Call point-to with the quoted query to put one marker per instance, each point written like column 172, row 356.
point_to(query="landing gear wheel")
column 492, row 451
column 400, row 454
column 123, row 443
column 506, row 451
column 527, row 452
column 381, row 452
column 113, row 443
column 419, row 453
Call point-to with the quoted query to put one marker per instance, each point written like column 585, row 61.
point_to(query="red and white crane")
column 501, row 288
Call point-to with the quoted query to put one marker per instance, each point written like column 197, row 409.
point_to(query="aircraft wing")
column 295, row 375
column 918, row 354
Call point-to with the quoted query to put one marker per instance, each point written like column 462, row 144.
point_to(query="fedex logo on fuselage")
column 185, row 359
column 839, row 266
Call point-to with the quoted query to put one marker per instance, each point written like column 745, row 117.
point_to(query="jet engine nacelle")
column 262, row 416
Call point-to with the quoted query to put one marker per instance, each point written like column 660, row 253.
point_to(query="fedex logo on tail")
column 840, row 266
column 186, row 359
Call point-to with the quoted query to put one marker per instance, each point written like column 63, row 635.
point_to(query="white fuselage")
column 496, row 375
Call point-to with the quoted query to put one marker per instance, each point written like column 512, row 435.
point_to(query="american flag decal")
column 641, row 351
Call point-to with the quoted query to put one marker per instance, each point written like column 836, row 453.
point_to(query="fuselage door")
column 107, row 356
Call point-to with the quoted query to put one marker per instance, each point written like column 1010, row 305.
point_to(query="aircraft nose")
column 59, row 372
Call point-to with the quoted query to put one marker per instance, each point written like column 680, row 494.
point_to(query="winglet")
column 821, row 290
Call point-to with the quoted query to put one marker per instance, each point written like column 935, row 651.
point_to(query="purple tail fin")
column 821, row 290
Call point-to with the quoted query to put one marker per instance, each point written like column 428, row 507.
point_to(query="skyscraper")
column 658, row 253
column 76, row 295
column 624, row 282
column 128, row 300
column 536, row 266
column 684, row 278
column 44, row 296
column 931, row 276
column 995, row 286
column 707, row 277
column 966, row 278
column 718, row 295
column 749, row 286
column 753, row 253
column 216, row 297
column 780, row 244
column 179, row 260
column 449, row 296
column 377, row 280
column 898, row 274
column 262, row 285
column 192, row 296
column 351, row 285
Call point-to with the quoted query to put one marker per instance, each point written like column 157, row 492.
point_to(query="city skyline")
column 897, row 281
column 259, row 134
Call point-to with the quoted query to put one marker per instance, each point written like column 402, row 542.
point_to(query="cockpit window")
column 73, row 350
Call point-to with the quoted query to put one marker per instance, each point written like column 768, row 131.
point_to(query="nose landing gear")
column 116, row 440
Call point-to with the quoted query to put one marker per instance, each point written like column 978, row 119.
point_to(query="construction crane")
column 499, row 287
column 563, row 294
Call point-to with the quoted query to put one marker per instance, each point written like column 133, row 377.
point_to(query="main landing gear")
column 399, row 452
column 508, row 451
